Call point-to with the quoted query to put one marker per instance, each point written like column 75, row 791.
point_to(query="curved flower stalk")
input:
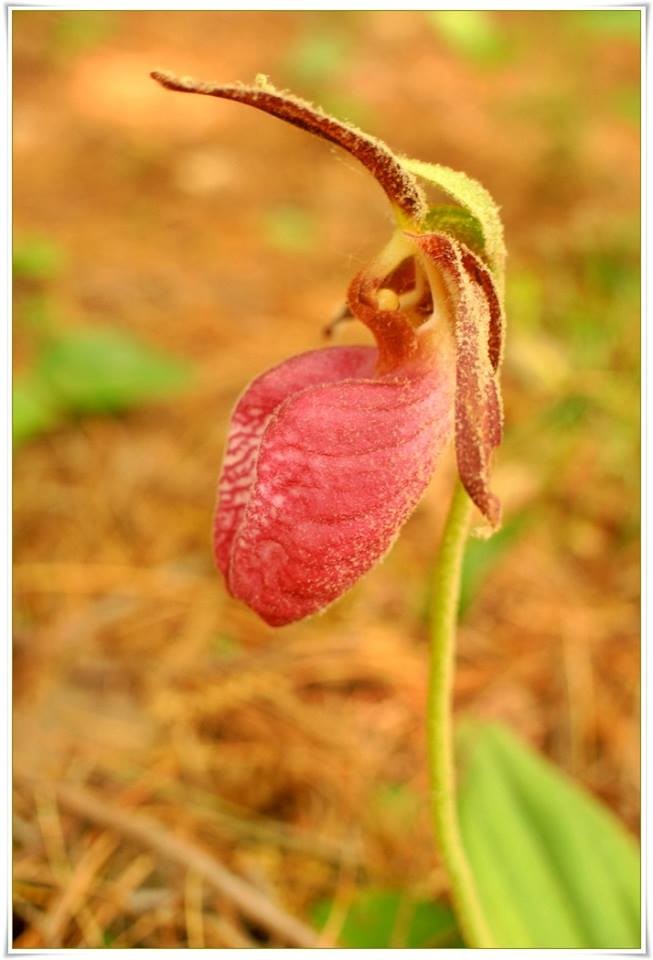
column 329, row 452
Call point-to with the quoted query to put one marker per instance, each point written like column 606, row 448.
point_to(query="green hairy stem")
column 443, row 618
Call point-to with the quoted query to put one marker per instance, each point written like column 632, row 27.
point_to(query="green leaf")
column 471, row 195
column 34, row 408
column 106, row 371
column 553, row 867
column 433, row 925
column 390, row 918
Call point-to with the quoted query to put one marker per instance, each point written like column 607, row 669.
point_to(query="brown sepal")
column 400, row 186
column 478, row 323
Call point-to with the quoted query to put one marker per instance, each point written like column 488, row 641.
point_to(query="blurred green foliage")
column 289, row 228
column 76, row 31
column 317, row 56
column 36, row 257
column 76, row 371
column 626, row 23
column 553, row 867
column 34, row 408
column 481, row 555
column 389, row 918
column 626, row 103
column 473, row 35
column 103, row 370
column 317, row 59
column 574, row 352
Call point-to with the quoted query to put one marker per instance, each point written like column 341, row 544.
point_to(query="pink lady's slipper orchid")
column 329, row 452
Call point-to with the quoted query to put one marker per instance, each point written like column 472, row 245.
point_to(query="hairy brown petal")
column 399, row 185
column 482, row 275
column 478, row 326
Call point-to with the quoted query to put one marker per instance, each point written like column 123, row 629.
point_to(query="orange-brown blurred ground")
column 136, row 676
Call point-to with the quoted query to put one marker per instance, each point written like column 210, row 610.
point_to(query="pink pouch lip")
column 322, row 469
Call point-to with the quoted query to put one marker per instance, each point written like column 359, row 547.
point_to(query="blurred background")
column 166, row 250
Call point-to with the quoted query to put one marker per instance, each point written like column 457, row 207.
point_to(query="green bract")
column 471, row 195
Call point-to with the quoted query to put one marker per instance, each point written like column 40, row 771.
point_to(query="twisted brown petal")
column 400, row 185
column 478, row 336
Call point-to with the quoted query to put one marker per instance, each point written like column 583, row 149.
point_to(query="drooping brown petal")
column 482, row 275
column 399, row 184
column 478, row 335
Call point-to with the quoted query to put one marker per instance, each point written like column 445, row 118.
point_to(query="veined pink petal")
column 325, row 462
column 251, row 415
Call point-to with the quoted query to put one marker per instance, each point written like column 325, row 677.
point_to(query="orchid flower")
column 329, row 452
